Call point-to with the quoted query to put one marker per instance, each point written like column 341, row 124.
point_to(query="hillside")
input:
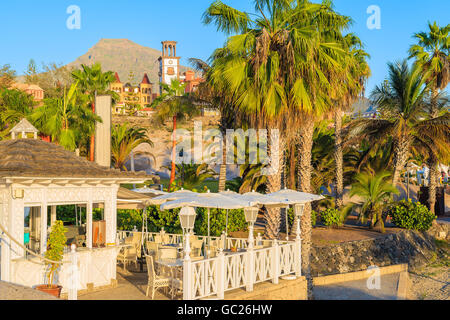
column 123, row 56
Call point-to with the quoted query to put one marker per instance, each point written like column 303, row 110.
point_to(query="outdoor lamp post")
column 250, row 216
column 298, row 211
column 187, row 220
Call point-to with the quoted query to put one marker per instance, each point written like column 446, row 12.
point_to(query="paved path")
column 129, row 287
column 357, row 290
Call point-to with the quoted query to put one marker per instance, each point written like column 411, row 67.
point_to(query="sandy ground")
column 432, row 282
column 10, row 291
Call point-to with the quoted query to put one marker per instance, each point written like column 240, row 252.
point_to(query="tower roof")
column 145, row 80
column 117, row 78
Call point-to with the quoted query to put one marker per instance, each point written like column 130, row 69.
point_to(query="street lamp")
column 187, row 220
column 298, row 211
column 250, row 216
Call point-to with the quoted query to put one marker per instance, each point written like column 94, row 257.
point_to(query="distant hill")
column 123, row 56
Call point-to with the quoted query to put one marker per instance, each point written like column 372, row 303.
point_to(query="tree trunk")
column 339, row 159
column 304, row 175
column 223, row 168
column 401, row 155
column 433, row 162
column 92, row 143
column 174, row 149
column 433, row 182
column 273, row 215
column 292, row 166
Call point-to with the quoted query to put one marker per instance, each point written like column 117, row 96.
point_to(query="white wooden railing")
column 239, row 243
column 215, row 276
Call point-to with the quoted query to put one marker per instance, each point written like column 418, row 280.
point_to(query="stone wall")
column 284, row 290
column 411, row 247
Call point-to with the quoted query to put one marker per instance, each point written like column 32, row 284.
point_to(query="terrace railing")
column 229, row 271
column 213, row 277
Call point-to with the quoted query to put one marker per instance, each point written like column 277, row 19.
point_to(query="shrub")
column 291, row 218
column 331, row 218
column 411, row 216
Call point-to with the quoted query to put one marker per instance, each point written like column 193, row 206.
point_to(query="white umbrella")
column 295, row 197
column 207, row 200
column 172, row 196
column 147, row 190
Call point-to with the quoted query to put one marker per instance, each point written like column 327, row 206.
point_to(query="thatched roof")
column 39, row 159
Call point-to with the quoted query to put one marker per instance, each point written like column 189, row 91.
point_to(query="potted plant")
column 55, row 252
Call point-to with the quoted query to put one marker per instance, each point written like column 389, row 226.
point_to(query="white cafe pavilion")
column 35, row 176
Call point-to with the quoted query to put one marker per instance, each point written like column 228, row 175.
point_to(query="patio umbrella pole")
column 209, row 233
column 76, row 215
column 226, row 232
column 286, row 213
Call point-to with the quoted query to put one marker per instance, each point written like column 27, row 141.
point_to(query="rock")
column 411, row 247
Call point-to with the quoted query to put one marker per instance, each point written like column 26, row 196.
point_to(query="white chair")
column 155, row 281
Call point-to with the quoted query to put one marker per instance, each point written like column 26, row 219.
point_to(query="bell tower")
column 169, row 63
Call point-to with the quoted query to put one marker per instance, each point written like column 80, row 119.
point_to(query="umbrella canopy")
column 295, row 197
column 150, row 192
column 265, row 200
column 207, row 200
column 172, row 196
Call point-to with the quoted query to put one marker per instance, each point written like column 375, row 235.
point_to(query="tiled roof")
column 39, row 159
column 146, row 80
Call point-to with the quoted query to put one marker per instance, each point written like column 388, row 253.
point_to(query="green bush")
column 236, row 221
column 411, row 216
column 331, row 218
column 291, row 217
column 169, row 220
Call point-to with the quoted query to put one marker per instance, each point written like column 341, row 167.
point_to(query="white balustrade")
column 226, row 272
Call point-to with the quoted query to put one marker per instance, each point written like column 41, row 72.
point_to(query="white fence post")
column 73, row 280
column 220, row 275
column 187, row 270
column 250, row 256
column 276, row 262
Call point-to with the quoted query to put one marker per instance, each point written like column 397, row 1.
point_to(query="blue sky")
column 37, row 29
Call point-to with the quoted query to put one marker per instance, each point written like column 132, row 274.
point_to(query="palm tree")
column 375, row 191
column 175, row 104
column 432, row 54
column 92, row 81
column 124, row 139
column 14, row 106
column 67, row 120
column 351, row 87
column 191, row 176
column 276, row 67
column 401, row 100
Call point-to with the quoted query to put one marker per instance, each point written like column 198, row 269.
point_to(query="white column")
column 74, row 274
column 16, row 226
column 43, row 227
column 187, row 270
column 5, row 244
column 221, row 275
column 275, row 262
column 111, row 217
column 298, row 250
column 53, row 215
column 89, row 225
